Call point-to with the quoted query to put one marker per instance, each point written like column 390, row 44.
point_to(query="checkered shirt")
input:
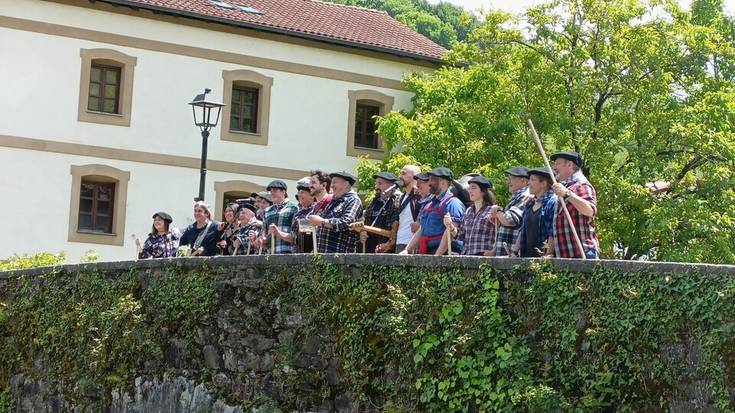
column 513, row 213
column 282, row 215
column 564, row 245
column 477, row 233
column 340, row 213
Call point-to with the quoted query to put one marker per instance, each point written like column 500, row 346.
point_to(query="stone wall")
column 254, row 353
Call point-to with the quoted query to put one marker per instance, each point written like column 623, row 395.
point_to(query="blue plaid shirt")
column 282, row 215
column 545, row 219
column 513, row 212
column 340, row 213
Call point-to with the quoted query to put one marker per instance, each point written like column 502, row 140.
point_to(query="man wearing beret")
column 427, row 239
column 509, row 217
column 580, row 197
column 278, row 217
column 333, row 224
column 382, row 212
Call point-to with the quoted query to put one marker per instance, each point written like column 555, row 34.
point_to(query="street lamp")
column 202, row 108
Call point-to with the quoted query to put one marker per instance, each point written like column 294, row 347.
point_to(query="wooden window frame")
column 248, row 79
column 103, row 87
column 111, row 58
column 102, row 174
column 372, row 98
column 241, row 103
column 94, row 212
column 364, row 129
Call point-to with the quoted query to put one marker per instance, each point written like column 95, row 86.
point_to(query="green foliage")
column 444, row 23
column 43, row 259
column 642, row 90
column 90, row 332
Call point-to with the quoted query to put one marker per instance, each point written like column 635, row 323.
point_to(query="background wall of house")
column 307, row 128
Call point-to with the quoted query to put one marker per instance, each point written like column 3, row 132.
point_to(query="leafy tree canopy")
column 642, row 89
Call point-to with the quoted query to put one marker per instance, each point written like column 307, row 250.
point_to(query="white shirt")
column 405, row 218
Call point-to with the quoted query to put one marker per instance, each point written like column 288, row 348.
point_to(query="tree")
column 643, row 90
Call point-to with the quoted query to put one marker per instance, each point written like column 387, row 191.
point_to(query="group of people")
column 413, row 213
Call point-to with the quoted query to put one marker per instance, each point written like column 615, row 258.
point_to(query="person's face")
column 339, row 186
column 305, row 197
column 229, row 214
column 245, row 215
column 405, row 177
column 516, row 182
column 475, row 192
column 423, row 187
column 536, row 185
column 159, row 224
column 200, row 214
column 563, row 168
column 437, row 185
column 316, row 186
column 381, row 185
column 278, row 195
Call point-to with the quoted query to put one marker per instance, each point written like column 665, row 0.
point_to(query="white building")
column 97, row 134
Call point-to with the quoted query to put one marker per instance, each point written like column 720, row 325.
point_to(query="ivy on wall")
column 406, row 339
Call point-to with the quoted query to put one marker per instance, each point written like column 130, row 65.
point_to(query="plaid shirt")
column 282, row 215
column 301, row 214
column 242, row 235
column 385, row 220
column 340, row 213
column 477, row 233
column 564, row 245
column 161, row 246
column 513, row 213
column 545, row 218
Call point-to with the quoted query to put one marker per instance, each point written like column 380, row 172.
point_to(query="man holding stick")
column 278, row 218
column 378, row 230
column 333, row 223
column 509, row 218
column 580, row 197
column 432, row 229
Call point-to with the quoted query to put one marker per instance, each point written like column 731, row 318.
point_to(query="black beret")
column 541, row 170
column 344, row 175
column 387, row 176
column 423, row 176
column 277, row 184
column 520, row 171
column 265, row 195
column 442, row 172
column 481, row 180
column 248, row 205
column 164, row 216
column 304, row 184
column 572, row 156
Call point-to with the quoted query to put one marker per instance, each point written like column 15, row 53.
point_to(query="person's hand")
column 251, row 236
column 559, row 189
column 222, row 244
column 357, row 226
column 493, row 213
column 381, row 248
column 315, row 220
column 137, row 242
column 363, row 237
column 415, row 227
column 273, row 230
column 447, row 220
column 221, row 226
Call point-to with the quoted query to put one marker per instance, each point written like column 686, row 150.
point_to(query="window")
column 365, row 134
column 245, row 118
column 106, row 87
column 244, row 111
column 362, row 138
column 97, row 207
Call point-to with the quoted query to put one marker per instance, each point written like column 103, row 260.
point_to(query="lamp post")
column 202, row 108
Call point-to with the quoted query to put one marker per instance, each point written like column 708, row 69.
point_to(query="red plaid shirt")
column 564, row 245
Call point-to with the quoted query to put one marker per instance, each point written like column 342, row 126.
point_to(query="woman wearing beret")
column 229, row 227
column 161, row 242
column 476, row 232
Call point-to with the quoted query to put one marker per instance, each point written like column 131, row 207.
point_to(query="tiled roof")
column 335, row 23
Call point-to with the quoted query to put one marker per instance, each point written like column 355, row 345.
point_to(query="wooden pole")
column 448, row 234
column 497, row 223
column 568, row 217
column 273, row 243
column 313, row 237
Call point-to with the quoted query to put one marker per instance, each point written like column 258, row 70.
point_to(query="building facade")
column 97, row 133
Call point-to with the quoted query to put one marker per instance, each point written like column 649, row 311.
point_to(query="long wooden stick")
column 448, row 234
column 497, row 222
column 273, row 243
column 540, row 148
column 313, row 237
